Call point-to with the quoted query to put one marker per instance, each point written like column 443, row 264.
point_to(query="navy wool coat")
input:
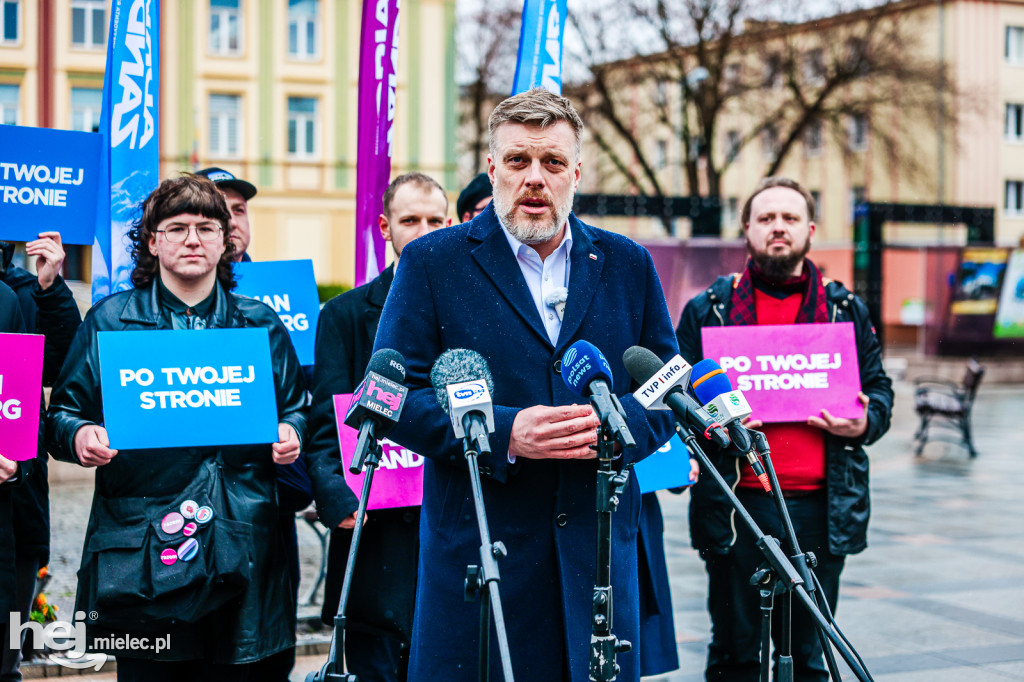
column 461, row 287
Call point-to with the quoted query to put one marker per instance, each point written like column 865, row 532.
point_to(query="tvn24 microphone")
column 663, row 387
column 587, row 373
column 463, row 384
column 377, row 403
column 713, row 388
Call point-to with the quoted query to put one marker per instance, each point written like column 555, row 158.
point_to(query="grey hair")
column 536, row 107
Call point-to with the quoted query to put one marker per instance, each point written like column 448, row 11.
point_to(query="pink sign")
column 398, row 480
column 790, row 372
column 21, row 386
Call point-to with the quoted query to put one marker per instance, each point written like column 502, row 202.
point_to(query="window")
column 770, row 142
column 1015, row 197
column 814, row 67
column 9, row 105
column 732, row 145
column 302, row 127
column 858, row 195
column 730, row 212
column 733, row 74
column 86, row 104
column 302, row 21
column 88, row 24
column 858, row 132
column 813, row 139
column 660, row 154
column 1015, row 122
column 8, row 21
column 1015, row 44
column 816, row 196
column 225, row 125
column 661, row 92
column 773, row 71
column 225, row 27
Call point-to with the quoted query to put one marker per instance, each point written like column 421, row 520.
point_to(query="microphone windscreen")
column 556, row 296
column 455, row 366
column 388, row 363
column 641, row 363
column 709, row 381
column 583, row 363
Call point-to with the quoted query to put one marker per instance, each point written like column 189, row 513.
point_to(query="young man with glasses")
column 183, row 277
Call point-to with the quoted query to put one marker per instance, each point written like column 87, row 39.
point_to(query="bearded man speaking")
column 482, row 286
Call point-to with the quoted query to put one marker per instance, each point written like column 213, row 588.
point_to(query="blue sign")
column 167, row 389
column 539, row 63
column 289, row 287
column 129, row 125
column 666, row 467
column 48, row 181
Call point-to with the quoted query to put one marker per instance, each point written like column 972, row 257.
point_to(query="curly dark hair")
column 176, row 196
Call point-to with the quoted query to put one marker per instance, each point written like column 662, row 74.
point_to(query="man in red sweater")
column 821, row 464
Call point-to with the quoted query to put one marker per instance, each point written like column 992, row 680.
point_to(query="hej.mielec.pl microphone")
column 377, row 403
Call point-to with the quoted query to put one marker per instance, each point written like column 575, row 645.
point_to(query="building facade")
column 266, row 89
column 961, row 147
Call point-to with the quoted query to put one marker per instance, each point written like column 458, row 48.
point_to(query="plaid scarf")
column 813, row 307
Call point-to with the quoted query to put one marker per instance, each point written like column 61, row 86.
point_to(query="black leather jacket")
column 712, row 526
column 262, row 620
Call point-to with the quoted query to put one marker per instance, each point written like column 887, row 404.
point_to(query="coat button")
column 557, row 366
column 561, row 520
column 486, row 470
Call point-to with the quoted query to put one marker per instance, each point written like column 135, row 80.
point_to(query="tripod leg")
column 767, row 598
column 785, row 664
column 485, row 634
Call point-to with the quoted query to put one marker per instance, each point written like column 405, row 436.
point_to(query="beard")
column 531, row 229
column 779, row 268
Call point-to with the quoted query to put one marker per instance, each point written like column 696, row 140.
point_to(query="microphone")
column 587, row 373
column 663, row 387
column 713, row 388
column 556, row 299
column 463, row 384
column 377, row 403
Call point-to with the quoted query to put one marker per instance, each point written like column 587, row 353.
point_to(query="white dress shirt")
column 542, row 277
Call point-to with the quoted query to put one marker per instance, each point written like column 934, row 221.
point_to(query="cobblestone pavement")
column 937, row 596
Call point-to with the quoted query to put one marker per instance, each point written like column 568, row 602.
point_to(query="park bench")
column 944, row 403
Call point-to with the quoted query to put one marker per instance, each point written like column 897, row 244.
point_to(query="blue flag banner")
column 667, row 467
column 289, row 287
column 540, row 46
column 48, row 181
column 129, row 158
column 204, row 387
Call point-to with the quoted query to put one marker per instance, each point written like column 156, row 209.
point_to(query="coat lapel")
column 495, row 258
column 586, row 262
column 376, row 295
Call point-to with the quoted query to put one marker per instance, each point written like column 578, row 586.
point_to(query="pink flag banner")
column 21, row 386
column 790, row 372
column 398, row 480
column 378, row 80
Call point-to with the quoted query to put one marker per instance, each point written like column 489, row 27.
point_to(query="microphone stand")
column 604, row 646
column 332, row 671
column 486, row 574
column 779, row 575
column 804, row 563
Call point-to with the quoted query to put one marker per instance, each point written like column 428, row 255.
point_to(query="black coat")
column 11, row 322
column 849, row 507
column 384, row 582
column 54, row 314
column 261, row 621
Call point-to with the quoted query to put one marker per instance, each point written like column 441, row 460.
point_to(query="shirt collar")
column 518, row 246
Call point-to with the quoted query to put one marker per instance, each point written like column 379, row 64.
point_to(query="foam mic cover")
column 709, row 380
column 583, row 364
column 463, row 384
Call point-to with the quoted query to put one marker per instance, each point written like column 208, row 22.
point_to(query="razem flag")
column 378, row 66
column 539, row 64
column 129, row 154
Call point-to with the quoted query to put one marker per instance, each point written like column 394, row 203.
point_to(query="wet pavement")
column 937, row 596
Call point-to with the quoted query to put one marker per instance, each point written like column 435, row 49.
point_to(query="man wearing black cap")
column 474, row 199
column 237, row 192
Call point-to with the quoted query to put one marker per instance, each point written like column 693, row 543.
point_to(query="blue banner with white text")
column 204, row 387
column 289, row 287
column 48, row 181
column 540, row 46
column 130, row 162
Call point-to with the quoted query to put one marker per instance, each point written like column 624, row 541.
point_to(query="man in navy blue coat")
column 483, row 286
